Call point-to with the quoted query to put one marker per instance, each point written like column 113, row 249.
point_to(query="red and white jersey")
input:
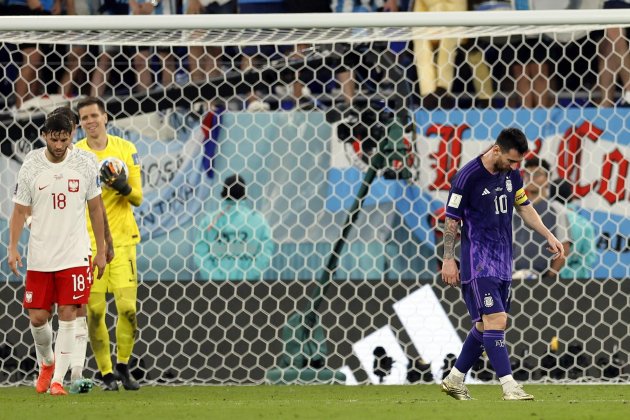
column 58, row 195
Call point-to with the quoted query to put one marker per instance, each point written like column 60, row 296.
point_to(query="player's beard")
column 57, row 155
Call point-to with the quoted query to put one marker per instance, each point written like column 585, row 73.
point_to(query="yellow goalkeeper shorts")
column 119, row 273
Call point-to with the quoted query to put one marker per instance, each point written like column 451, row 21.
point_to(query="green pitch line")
column 319, row 402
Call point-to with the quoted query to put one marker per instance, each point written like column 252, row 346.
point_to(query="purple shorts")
column 485, row 296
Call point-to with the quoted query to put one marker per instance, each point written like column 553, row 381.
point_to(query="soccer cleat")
column 109, row 383
column 457, row 390
column 44, row 378
column 517, row 393
column 81, row 386
column 57, row 389
column 123, row 375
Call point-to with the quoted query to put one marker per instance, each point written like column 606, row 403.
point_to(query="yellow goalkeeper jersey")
column 122, row 223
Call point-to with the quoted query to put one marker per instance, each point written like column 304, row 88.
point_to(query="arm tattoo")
column 450, row 236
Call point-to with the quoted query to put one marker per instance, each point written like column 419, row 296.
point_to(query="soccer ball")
column 112, row 168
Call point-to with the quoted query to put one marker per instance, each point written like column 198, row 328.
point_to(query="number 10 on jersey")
column 500, row 204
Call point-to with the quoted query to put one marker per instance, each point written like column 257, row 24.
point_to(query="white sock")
column 456, row 374
column 507, row 382
column 77, row 361
column 63, row 349
column 43, row 344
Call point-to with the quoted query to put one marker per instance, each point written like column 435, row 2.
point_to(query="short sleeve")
column 94, row 180
column 520, row 196
column 457, row 197
column 22, row 192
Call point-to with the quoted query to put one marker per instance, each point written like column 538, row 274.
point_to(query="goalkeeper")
column 122, row 190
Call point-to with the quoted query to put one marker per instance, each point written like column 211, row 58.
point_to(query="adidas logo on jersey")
column 485, row 191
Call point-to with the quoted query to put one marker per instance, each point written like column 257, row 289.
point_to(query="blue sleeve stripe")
column 463, row 175
column 453, row 216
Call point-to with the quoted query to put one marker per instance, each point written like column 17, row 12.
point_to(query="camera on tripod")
column 377, row 138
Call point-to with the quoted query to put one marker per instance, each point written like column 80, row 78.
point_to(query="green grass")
column 319, row 402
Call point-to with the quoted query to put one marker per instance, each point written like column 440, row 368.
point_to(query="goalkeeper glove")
column 115, row 180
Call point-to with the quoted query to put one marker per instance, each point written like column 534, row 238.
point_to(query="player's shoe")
column 517, row 393
column 123, row 375
column 457, row 390
column 110, row 383
column 81, row 386
column 57, row 389
column 44, row 378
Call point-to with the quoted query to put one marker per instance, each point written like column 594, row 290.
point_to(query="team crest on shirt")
column 28, row 297
column 73, row 185
column 508, row 184
column 488, row 302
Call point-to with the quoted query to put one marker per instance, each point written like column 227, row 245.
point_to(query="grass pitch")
column 319, row 402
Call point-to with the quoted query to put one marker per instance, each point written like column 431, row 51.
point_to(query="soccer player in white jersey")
column 81, row 385
column 55, row 185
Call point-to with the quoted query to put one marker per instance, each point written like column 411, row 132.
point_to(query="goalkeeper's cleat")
column 123, row 375
column 517, row 393
column 81, row 386
column 457, row 390
column 109, row 383
column 44, row 378
column 57, row 389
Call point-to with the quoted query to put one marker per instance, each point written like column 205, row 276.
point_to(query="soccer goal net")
column 346, row 131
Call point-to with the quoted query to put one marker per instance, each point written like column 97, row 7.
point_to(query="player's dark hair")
column 233, row 188
column 57, row 123
column 512, row 138
column 536, row 162
column 64, row 110
column 91, row 100
column 561, row 190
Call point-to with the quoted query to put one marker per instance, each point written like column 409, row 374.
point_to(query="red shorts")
column 64, row 287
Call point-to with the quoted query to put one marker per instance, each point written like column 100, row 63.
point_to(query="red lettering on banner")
column 536, row 151
column 449, row 154
column 570, row 155
column 614, row 158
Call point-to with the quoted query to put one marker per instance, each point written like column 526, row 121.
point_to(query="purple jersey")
column 484, row 203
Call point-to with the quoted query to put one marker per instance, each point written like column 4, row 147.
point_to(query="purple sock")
column 496, row 349
column 471, row 351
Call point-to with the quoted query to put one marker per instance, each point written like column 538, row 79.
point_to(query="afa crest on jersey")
column 73, row 185
column 488, row 302
column 508, row 184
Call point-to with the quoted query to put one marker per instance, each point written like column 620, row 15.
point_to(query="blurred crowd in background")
column 587, row 68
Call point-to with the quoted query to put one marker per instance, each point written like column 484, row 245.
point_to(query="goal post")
column 347, row 162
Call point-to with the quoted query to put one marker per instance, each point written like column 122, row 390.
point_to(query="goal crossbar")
column 278, row 29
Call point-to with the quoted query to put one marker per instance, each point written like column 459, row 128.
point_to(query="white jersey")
column 58, row 195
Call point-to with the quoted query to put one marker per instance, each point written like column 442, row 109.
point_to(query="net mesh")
column 245, row 37
column 348, row 166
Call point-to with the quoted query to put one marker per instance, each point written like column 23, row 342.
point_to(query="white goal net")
column 347, row 131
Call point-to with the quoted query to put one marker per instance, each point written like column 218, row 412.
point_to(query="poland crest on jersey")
column 508, row 184
column 28, row 297
column 73, row 185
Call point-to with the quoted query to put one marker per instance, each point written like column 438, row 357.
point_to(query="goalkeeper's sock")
column 77, row 361
column 471, row 350
column 63, row 349
column 43, row 343
column 494, row 342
